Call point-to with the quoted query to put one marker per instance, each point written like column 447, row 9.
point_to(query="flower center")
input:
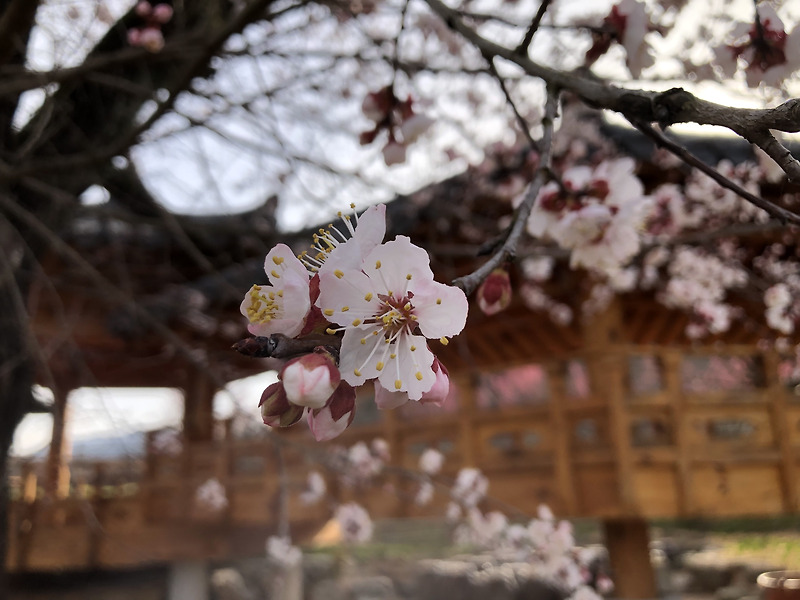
column 395, row 314
column 263, row 307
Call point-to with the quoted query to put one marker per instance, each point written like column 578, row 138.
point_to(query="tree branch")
column 667, row 108
column 533, row 28
column 506, row 251
column 780, row 213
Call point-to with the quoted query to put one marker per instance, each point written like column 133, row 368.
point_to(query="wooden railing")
column 590, row 436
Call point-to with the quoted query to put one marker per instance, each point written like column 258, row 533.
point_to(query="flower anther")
column 347, row 245
column 281, row 307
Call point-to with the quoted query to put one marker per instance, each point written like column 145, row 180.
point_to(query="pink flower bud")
column 276, row 410
column 441, row 387
column 494, row 294
column 162, row 13
column 310, row 379
column 329, row 421
column 143, row 9
column 151, row 39
column 135, row 36
column 394, row 153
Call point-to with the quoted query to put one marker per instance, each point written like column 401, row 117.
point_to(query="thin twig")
column 780, row 213
column 506, row 251
column 533, row 28
column 523, row 124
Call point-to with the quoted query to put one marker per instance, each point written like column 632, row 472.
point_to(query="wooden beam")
column 198, row 408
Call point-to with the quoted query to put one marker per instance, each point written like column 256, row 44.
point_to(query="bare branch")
column 523, row 124
column 278, row 345
column 661, row 140
column 667, row 108
column 506, row 251
column 534, row 27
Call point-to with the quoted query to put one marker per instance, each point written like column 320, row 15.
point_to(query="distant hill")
column 105, row 448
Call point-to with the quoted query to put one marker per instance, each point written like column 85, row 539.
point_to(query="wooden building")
column 618, row 416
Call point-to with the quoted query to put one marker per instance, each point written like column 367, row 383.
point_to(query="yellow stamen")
column 328, row 312
column 356, row 372
column 438, row 301
column 330, row 331
column 408, row 277
column 356, row 322
column 444, row 341
column 368, row 297
column 398, row 384
column 393, row 355
column 345, row 308
column 277, row 259
column 338, row 273
column 377, row 264
column 275, row 274
column 413, row 348
column 418, row 376
column 379, row 366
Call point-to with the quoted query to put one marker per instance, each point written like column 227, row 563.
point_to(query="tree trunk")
column 16, row 379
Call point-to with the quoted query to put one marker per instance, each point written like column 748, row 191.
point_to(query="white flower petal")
column 441, row 310
column 392, row 263
column 353, row 290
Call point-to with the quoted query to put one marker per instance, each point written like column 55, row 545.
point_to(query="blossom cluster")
column 594, row 212
column 766, row 51
column 398, row 118
column 599, row 213
column 546, row 543
column 372, row 306
column 627, row 24
column 149, row 36
column 211, row 496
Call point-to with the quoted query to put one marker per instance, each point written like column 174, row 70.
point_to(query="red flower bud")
column 494, row 294
column 276, row 410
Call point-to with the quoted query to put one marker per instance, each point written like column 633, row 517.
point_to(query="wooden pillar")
column 198, row 408
column 672, row 361
column 56, row 478
column 562, row 465
column 628, row 544
column 607, row 366
column 781, row 427
column 626, row 536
